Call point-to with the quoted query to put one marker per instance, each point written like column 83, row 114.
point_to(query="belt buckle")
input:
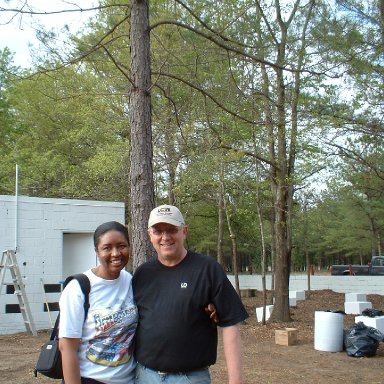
column 162, row 373
column 170, row 373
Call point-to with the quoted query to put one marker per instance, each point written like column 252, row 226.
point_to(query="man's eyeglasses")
column 170, row 231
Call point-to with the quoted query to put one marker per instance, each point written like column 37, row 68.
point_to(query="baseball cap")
column 166, row 214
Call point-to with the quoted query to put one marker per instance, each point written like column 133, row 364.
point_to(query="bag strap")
column 85, row 286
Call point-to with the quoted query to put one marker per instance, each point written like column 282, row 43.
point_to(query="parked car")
column 375, row 267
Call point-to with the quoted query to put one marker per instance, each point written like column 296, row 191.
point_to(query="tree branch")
column 205, row 93
column 224, row 45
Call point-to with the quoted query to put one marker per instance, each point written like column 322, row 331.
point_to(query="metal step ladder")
column 8, row 261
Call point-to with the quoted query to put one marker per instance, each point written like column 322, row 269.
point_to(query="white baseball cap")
column 166, row 214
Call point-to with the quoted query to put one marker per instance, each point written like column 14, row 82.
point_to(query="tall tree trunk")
column 171, row 161
column 305, row 246
column 281, row 304
column 220, row 231
column 282, row 184
column 375, row 236
column 259, row 210
column 273, row 251
column 141, row 172
column 263, row 255
column 235, row 266
column 233, row 241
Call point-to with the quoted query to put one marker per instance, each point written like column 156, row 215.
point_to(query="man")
column 176, row 341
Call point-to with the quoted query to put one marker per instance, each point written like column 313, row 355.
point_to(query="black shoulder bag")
column 49, row 361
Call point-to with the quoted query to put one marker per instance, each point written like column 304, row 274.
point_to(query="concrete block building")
column 53, row 238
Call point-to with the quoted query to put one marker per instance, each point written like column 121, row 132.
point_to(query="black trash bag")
column 370, row 312
column 361, row 340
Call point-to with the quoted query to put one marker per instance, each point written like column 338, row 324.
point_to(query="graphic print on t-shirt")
column 114, row 333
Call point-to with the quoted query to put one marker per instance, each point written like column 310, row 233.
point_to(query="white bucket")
column 329, row 331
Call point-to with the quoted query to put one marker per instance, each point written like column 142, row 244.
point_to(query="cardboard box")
column 287, row 336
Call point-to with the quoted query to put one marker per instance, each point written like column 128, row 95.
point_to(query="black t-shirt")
column 174, row 332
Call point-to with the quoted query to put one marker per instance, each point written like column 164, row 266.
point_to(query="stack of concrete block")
column 298, row 295
column 268, row 312
column 292, row 302
column 375, row 322
column 356, row 303
column 295, row 296
column 293, row 299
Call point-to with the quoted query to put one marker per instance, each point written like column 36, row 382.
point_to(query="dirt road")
column 264, row 361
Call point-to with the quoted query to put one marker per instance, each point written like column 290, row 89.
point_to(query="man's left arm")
column 233, row 353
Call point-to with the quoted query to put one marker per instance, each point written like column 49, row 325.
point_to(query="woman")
column 100, row 349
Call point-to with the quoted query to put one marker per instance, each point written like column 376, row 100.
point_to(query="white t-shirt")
column 106, row 346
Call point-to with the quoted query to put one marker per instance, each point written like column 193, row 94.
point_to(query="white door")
column 78, row 253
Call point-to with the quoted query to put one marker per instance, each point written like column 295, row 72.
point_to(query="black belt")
column 178, row 372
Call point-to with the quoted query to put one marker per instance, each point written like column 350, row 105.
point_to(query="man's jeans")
column 148, row 376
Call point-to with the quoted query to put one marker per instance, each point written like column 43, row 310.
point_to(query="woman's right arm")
column 70, row 361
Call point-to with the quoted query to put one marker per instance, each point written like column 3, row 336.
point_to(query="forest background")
column 266, row 122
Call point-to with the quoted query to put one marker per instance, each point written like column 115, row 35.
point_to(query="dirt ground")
column 264, row 361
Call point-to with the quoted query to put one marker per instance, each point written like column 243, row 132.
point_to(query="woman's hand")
column 211, row 311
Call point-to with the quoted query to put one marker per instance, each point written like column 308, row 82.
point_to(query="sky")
column 18, row 31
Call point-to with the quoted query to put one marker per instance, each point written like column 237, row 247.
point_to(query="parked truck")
column 375, row 267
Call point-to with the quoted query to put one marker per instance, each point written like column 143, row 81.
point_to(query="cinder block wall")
column 41, row 224
column 343, row 284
